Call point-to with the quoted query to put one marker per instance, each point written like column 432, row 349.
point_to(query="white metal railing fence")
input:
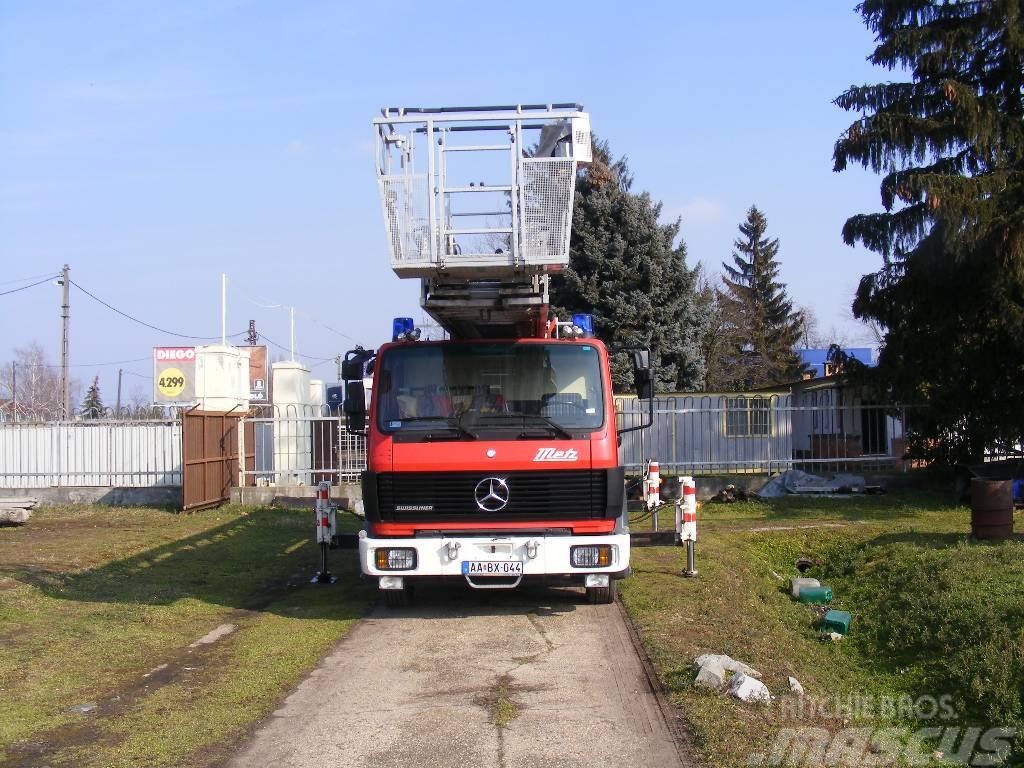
column 300, row 445
column 90, row 452
column 750, row 433
column 741, row 433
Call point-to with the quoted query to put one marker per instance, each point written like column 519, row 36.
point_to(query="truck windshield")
column 466, row 388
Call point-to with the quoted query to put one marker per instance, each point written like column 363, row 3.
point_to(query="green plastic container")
column 836, row 621
column 816, row 595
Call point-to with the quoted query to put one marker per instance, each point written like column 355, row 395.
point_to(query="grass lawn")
column 934, row 615
column 99, row 606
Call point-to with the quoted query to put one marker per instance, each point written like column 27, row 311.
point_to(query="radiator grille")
column 451, row 496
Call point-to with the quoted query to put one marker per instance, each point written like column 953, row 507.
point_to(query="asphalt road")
column 534, row 678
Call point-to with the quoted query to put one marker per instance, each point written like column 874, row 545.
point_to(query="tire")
column 602, row 595
column 397, row 598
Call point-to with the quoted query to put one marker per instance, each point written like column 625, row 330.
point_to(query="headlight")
column 591, row 556
column 395, row 559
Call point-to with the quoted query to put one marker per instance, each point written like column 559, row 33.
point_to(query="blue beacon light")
column 401, row 326
column 585, row 323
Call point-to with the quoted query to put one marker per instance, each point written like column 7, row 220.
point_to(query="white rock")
column 746, row 688
column 728, row 663
column 711, row 675
column 795, row 687
column 15, row 516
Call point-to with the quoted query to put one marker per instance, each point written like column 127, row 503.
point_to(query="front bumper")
column 550, row 554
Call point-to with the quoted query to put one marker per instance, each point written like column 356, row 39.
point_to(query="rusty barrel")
column 991, row 508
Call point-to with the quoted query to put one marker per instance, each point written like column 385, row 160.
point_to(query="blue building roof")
column 815, row 359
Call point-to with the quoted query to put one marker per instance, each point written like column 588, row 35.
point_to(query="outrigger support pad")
column 323, row 576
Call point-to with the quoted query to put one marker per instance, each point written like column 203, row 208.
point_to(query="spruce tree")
column 92, row 404
column 950, row 145
column 762, row 328
column 629, row 271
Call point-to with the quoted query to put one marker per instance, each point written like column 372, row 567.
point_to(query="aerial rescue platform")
column 477, row 202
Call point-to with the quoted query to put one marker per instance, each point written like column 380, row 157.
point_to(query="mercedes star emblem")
column 491, row 494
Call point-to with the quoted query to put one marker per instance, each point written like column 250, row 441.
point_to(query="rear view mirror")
column 355, row 406
column 643, row 380
column 354, row 366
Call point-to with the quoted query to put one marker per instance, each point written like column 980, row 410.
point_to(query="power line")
column 32, row 285
column 134, row 319
column 28, row 277
column 263, row 304
column 318, row 321
column 285, row 349
column 83, row 365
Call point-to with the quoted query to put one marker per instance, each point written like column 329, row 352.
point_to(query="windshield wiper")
column 547, row 420
column 452, row 422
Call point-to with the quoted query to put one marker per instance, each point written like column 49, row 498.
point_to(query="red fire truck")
column 493, row 452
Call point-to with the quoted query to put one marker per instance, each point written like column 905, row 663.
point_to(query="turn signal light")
column 395, row 559
column 591, row 556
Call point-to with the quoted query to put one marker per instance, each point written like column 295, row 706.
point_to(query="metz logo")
column 552, row 454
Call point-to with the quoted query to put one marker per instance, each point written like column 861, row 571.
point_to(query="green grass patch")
column 934, row 615
column 94, row 599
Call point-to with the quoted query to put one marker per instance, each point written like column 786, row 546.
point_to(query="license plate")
column 492, row 568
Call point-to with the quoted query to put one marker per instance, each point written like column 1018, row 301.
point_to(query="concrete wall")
column 153, row 496
column 346, row 495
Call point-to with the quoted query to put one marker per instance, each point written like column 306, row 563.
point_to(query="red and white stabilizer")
column 325, row 522
column 324, row 518
column 652, row 485
column 688, row 495
column 686, row 520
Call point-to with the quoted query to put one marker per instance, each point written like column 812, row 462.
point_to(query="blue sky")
column 154, row 145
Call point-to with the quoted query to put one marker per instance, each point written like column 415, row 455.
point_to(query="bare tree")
column 810, row 338
column 37, row 381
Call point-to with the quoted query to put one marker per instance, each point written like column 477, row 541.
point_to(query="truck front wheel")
column 601, row 595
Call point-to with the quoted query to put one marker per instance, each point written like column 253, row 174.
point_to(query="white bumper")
column 550, row 554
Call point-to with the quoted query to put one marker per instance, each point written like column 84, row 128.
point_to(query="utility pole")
column 223, row 308
column 14, row 388
column 117, row 410
column 292, row 315
column 65, row 318
column 337, row 360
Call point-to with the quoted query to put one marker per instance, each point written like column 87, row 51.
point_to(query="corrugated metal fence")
column 90, row 453
column 813, row 431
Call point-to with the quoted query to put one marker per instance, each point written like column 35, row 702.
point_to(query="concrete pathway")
column 509, row 680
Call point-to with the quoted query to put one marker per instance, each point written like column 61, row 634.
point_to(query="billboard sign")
column 174, row 375
column 259, row 376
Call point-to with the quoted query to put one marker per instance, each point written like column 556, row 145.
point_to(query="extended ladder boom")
column 477, row 204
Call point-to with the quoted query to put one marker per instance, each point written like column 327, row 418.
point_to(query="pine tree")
column 628, row 271
column 950, row 143
column 762, row 327
column 92, row 404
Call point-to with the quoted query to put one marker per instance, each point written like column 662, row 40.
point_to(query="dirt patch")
column 499, row 702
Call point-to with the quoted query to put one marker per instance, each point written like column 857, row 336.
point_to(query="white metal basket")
column 479, row 191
